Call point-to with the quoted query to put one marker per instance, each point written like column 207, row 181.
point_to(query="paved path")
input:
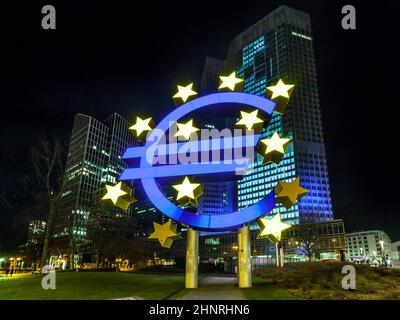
column 215, row 288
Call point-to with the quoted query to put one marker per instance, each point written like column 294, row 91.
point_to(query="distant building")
column 372, row 244
column 94, row 159
column 395, row 248
column 280, row 45
column 33, row 247
column 145, row 214
column 328, row 239
column 318, row 241
column 36, row 230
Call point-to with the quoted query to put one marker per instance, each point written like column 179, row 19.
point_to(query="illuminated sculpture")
column 186, row 129
column 250, row 121
column 184, row 93
column 120, row 195
column 165, row 233
column 288, row 193
column 229, row 82
column 143, row 166
column 280, row 93
column 272, row 228
column 188, row 192
column 141, row 126
column 272, row 149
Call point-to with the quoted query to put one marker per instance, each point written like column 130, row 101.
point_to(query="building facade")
column 94, row 159
column 396, row 253
column 281, row 46
column 315, row 241
column 372, row 244
column 278, row 46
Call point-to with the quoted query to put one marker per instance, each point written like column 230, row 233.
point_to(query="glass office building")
column 94, row 159
column 280, row 46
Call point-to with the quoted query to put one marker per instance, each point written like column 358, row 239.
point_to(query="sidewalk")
column 215, row 288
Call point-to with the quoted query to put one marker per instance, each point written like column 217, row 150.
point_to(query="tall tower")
column 281, row 46
column 94, row 158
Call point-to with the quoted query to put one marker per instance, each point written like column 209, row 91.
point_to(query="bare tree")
column 48, row 162
column 308, row 239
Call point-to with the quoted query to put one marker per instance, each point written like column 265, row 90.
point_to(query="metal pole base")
column 244, row 258
column 192, row 254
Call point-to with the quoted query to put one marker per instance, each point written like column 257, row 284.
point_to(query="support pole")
column 278, row 255
column 244, row 258
column 192, row 254
column 282, row 257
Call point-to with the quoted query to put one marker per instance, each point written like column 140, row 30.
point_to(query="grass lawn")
column 92, row 285
column 264, row 290
column 322, row 281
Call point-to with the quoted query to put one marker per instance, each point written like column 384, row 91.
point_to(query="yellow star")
column 275, row 143
column 141, row 125
column 288, row 193
column 280, row 89
column 186, row 129
column 165, row 233
column 114, row 192
column 188, row 192
column 229, row 81
column 272, row 228
column 185, row 92
column 120, row 195
column 249, row 119
column 273, row 149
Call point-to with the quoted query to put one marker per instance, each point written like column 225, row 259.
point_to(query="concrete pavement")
column 215, row 288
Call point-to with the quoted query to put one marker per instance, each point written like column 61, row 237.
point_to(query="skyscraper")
column 94, row 158
column 281, row 46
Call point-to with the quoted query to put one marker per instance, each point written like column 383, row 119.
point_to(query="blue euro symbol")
column 147, row 173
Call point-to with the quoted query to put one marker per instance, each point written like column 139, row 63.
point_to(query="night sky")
column 128, row 59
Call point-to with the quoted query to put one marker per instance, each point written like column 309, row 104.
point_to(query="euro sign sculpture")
column 144, row 167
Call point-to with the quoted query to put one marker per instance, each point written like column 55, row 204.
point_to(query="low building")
column 220, row 249
column 395, row 248
column 368, row 245
column 323, row 240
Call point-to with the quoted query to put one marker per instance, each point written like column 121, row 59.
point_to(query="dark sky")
column 128, row 58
